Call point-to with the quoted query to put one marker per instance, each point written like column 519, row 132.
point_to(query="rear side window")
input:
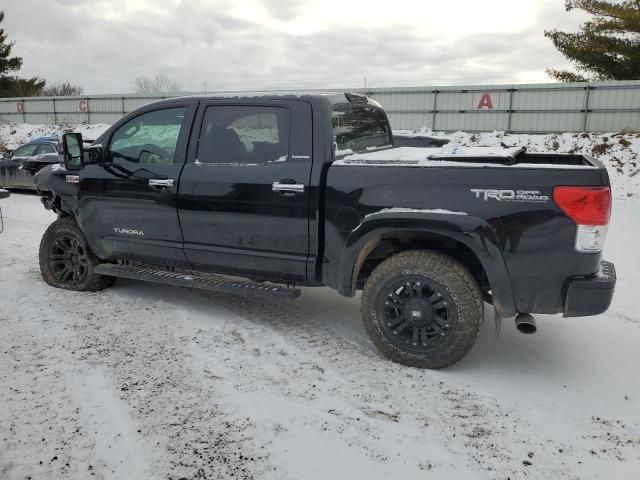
column 47, row 148
column 359, row 128
column 244, row 135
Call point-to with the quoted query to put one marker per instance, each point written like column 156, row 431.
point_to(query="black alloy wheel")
column 68, row 259
column 422, row 308
column 417, row 314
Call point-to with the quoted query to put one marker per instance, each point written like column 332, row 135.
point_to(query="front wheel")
column 66, row 260
column 422, row 308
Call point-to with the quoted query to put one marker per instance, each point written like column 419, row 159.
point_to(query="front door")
column 244, row 192
column 11, row 173
column 129, row 208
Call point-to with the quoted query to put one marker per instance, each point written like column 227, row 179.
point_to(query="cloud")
column 104, row 45
column 284, row 9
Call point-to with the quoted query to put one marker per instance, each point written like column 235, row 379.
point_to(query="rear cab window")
column 359, row 128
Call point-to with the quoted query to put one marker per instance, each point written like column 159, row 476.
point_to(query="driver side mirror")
column 72, row 151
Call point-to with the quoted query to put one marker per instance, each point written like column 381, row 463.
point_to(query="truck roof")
column 333, row 98
column 49, row 139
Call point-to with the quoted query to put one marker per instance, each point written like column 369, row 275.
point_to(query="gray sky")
column 263, row 44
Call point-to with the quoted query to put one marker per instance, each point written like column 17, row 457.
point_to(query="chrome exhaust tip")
column 525, row 323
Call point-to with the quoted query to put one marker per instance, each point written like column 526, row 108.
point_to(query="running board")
column 202, row 281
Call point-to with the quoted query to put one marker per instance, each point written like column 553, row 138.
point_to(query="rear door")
column 129, row 210
column 244, row 192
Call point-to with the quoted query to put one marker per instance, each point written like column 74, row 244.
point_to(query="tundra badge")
column 128, row 231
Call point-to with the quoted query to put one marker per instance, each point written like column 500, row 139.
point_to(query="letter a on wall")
column 485, row 102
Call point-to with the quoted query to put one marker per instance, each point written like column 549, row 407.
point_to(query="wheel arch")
column 54, row 202
column 464, row 238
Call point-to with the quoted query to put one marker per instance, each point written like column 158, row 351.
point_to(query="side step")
column 200, row 281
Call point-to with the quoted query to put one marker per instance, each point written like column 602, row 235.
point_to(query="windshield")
column 359, row 128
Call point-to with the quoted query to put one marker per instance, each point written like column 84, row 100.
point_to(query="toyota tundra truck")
column 260, row 195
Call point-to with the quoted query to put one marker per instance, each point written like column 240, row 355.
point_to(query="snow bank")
column 618, row 151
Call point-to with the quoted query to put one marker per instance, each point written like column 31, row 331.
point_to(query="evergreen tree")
column 606, row 47
column 7, row 63
column 12, row 86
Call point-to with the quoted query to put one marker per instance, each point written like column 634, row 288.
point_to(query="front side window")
column 244, row 135
column 26, row 151
column 148, row 138
column 359, row 128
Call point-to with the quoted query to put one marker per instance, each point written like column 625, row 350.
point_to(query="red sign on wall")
column 83, row 105
column 19, row 107
column 485, row 102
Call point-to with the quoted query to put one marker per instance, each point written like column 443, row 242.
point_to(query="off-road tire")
column 87, row 281
column 443, row 274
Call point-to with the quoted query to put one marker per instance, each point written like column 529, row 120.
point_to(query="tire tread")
column 93, row 282
column 459, row 283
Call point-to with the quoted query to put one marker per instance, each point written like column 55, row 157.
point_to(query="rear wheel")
column 422, row 308
column 66, row 260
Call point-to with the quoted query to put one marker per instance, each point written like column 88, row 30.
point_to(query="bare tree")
column 159, row 84
column 62, row 89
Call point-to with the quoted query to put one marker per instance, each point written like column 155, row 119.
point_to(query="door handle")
column 161, row 182
column 288, row 187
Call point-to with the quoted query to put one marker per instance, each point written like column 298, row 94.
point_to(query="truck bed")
column 467, row 156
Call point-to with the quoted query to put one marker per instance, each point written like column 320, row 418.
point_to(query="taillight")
column 584, row 205
column 589, row 208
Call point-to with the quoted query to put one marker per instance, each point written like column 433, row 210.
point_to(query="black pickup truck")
column 309, row 190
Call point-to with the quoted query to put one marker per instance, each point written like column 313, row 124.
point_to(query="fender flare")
column 472, row 232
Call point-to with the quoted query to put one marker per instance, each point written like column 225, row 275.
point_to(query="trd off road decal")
column 531, row 196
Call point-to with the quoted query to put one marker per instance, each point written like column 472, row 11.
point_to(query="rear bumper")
column 591, row 296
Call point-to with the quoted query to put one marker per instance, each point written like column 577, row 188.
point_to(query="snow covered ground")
column 142, row 381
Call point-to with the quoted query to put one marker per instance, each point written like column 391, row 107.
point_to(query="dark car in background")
column 18, row 167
